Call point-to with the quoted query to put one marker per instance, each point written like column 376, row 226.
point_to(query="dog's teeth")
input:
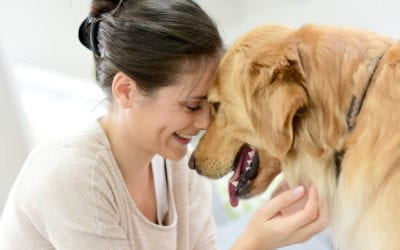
column 235, row 183
column 251, row 154
column 248, row 163
column 247, row 168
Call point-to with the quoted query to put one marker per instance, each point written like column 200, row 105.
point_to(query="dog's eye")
column 215, row 106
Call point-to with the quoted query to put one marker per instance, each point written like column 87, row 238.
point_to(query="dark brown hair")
column 149, row 40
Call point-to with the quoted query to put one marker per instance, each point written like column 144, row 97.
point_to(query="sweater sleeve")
column 66, row 194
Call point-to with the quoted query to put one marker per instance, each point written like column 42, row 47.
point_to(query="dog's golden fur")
column 286, row 93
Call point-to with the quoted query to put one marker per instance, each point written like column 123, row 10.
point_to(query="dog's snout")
column 192, row 162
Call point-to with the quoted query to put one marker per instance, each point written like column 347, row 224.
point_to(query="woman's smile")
column 183, row 138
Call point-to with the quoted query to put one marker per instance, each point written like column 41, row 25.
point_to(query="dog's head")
column 280, row 101
column 257, row 93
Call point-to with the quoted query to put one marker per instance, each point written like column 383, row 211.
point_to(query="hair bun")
column 89, row 28
column 88, row 34
column 100, row 7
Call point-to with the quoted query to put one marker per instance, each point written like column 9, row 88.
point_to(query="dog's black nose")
column 192, row 162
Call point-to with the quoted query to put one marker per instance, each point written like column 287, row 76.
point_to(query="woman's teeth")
column 184, row 136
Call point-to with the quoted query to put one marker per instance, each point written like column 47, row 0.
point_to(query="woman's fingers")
column 291, row 217
column 306, row 221
column 313, row 228
column 305, row 233
column 304, row 216
column 273, row 207
column 282, row 186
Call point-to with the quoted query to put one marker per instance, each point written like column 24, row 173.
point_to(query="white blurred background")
column 46, row 76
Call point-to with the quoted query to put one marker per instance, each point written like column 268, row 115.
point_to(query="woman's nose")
column 204, row 118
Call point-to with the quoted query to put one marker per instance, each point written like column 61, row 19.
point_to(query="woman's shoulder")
column 68, row 160
column 81, row 147
column 66, row 171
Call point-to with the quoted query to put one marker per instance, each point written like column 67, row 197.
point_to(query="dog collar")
column 357, row 101
column 355, row 108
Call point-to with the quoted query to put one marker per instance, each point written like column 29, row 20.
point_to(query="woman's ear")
column 123, row 88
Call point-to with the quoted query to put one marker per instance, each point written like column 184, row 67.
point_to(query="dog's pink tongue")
column 232, row 197
column 234, row 200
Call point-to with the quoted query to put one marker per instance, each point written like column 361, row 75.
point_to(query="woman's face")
column 165, row 122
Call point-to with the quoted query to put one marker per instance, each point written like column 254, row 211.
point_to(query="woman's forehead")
column 195, row 83
column 194, row 86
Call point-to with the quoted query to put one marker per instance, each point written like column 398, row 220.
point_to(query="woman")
column 123, row 182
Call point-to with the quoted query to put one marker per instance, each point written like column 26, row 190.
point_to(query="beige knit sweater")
column 70, row 194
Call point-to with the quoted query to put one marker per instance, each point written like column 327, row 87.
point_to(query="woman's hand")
column 291, row 217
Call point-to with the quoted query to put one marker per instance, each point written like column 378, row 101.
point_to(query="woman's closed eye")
column 194, row 105
column 193, row 108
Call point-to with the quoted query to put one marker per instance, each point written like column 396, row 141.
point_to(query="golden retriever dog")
column 321, row 105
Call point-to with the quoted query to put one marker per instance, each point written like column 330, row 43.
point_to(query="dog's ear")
column 281, row 94
column 284, row 103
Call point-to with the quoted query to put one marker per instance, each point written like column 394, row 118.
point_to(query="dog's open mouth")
column 245, row 169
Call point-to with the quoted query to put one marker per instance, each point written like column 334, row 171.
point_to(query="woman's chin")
column 176, row 154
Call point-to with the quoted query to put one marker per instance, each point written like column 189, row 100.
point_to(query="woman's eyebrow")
column 199, row 97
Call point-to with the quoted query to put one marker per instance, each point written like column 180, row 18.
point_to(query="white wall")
column 235, row 17
column 14, row 141
column 44, row 32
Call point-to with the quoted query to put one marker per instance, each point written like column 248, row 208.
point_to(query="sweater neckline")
column 172, row 214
